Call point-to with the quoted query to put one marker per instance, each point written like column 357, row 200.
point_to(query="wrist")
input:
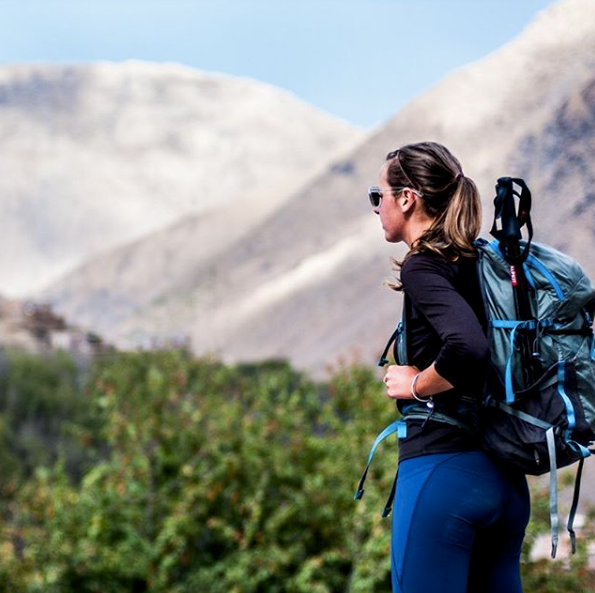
column 414, row 394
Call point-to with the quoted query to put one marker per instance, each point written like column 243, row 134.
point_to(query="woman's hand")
column 398, row 381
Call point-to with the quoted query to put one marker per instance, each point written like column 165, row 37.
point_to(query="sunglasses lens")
column 375, row 196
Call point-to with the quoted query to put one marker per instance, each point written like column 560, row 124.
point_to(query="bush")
column 217, row 479
column 43, row 413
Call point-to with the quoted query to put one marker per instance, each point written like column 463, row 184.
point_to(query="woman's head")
column 435, row 206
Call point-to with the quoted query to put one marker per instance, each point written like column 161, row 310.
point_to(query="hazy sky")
column 359, row 59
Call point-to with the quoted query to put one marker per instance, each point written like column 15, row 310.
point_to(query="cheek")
column 392, row 224
column 389, row 215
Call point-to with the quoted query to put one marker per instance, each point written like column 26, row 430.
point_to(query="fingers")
column 392, row 373
column 397, row 380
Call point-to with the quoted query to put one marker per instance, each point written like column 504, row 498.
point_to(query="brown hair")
column 447, row 196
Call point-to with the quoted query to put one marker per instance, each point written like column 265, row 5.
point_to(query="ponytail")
column 447, row 196
column 456, row 228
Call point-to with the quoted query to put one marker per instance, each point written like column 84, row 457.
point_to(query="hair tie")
column 459, row 177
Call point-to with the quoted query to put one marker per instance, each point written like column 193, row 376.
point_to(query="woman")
column 459, row 518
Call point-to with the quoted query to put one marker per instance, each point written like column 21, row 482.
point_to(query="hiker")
column 459, row 517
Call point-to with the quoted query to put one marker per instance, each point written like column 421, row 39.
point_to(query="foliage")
column 198, row 476
column 217, row 479
column 42, row 413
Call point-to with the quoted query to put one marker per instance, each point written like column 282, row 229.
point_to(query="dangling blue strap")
column 398, row 426
column 593, row 347
column 551, row 446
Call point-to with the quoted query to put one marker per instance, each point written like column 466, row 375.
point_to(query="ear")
column 409, row 201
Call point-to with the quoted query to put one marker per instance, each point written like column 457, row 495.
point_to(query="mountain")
column 306, row 282
column 98, row 155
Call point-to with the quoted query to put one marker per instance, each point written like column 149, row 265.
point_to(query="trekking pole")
column 509, row 237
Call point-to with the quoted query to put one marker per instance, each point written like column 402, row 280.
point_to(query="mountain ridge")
column 306, row 282
column 97, row 155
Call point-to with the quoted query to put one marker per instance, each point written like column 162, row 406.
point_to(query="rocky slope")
column 97, row 155
column 306, row 282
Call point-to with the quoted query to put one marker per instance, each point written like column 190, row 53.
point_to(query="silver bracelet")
column 414, row 392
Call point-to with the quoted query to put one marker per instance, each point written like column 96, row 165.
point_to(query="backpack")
column 538, row 410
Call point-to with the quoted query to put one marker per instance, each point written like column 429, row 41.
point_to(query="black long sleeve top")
column 446, row 326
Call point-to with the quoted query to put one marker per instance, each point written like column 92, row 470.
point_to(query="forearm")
column 399, row 380
column 430, row 382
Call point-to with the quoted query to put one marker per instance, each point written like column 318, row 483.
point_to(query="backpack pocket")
column 517, row 432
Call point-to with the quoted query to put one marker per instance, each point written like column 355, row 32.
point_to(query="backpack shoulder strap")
column 398, row 337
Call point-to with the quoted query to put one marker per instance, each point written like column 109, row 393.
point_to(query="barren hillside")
column 97, row 155
column 306, row 282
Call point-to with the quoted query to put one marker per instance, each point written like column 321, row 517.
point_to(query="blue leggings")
column 458, row 525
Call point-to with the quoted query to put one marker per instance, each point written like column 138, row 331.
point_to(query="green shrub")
column 214, row 478
column 43, row 413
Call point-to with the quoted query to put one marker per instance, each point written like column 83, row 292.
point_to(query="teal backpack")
column 538, row 410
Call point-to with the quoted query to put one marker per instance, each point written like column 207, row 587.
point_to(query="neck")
column 416, row 230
